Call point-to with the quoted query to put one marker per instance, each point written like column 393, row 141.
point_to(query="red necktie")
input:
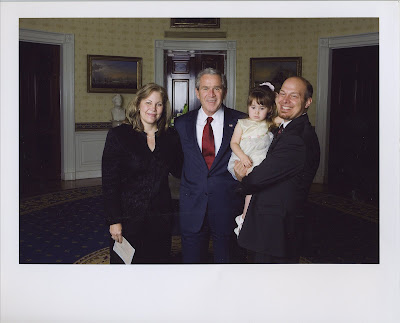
column 208, row 147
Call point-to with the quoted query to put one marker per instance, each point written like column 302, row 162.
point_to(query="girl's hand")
column 278, row 121
column 116, row 232
column 246, row 161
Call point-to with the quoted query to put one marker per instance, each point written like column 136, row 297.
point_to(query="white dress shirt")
column 285, row 123
column 217, row 126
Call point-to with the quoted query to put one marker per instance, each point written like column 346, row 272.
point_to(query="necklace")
column 153, row 132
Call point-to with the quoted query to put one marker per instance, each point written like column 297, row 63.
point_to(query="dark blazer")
column 135, row 179
column 280, row 185
column 203, row 189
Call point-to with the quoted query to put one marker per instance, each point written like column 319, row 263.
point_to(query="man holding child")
column 280, row 184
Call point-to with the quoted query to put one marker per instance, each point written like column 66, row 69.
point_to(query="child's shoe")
column 239, row 221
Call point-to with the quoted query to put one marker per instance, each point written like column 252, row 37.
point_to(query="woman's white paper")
column 124, row 250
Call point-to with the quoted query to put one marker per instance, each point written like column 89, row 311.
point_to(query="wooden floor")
column 43, row 187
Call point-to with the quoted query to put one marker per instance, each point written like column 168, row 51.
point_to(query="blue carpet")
column 62, row 227
column 343, row 233
column 68, row 227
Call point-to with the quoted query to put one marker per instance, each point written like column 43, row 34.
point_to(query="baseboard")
column 88, row 174
column 71, row 176
column 318, row 179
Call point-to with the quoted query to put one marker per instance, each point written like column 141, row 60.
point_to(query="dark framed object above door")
column 195, row 22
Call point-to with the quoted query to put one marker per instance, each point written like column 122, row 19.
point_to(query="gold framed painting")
column 113, row 74
column 273, row 69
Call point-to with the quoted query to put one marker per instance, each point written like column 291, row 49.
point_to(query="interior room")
column 62, row 136
column 54, row 240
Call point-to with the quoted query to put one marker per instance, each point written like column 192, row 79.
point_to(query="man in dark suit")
column 208, row 202
column 280, row 184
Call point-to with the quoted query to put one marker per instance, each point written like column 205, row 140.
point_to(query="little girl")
column 253, row 136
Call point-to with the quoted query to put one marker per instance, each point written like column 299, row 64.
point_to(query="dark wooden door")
column 181, row 71
column 354, row 122
column 39, row 113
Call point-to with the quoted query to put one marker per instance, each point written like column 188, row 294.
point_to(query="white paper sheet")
column 124, row 250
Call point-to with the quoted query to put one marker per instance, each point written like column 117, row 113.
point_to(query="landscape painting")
column 114, row 74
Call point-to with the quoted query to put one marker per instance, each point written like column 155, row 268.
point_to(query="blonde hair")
column 133, row 111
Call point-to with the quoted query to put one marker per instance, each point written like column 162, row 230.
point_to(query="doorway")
column 322, row 121
column 39, row 114
column 181, row 69
column 353, row 165
column 67, row 59
column 227, row 47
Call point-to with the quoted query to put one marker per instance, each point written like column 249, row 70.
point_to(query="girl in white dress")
column 253, row 136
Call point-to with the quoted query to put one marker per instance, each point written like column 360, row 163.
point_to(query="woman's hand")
column 116, row 232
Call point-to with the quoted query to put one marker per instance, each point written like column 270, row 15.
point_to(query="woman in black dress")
column 137, row 159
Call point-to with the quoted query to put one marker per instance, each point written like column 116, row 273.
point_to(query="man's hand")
column 240, row 170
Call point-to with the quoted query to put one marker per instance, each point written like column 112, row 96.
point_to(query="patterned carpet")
column 102, row 256
column 341, row 231
column 346, row 205
column 68, row 227
column 62, row 227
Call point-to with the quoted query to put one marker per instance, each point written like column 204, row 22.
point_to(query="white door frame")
column 67, row 115
column 230, row 68
column 322, row 121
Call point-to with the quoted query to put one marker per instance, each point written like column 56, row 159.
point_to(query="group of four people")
column 247, row 173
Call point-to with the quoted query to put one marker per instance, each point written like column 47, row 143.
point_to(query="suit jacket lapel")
column 288, row 128
column 275, row 139
column 191, row 131
column 229, row 126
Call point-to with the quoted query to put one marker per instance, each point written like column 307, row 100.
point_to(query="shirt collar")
column 217, row 116
column 285, row 123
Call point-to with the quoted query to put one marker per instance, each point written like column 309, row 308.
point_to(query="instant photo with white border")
column 202, row 293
